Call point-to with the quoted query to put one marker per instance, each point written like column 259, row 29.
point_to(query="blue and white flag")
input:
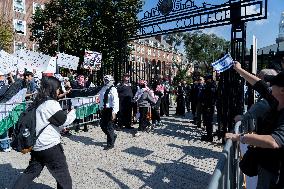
column 223, row 64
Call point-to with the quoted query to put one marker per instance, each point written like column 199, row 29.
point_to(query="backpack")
column 24, row 134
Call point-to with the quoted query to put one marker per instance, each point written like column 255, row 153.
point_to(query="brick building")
column 19, row 13
column 157, row 54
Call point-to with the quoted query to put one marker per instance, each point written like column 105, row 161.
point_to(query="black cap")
column 126, row 74
column 278, row 80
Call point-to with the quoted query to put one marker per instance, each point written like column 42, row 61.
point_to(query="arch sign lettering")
column 170, row 16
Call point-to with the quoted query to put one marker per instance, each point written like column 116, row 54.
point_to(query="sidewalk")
column 170, row 157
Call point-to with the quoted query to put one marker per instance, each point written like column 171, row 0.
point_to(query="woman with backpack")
column 48, row 151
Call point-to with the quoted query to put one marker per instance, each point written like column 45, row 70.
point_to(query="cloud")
column 252, row 10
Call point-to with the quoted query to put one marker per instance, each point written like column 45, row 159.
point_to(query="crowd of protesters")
column 124, row 103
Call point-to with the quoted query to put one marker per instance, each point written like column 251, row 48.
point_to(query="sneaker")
column 7, row 149
column 137, row 134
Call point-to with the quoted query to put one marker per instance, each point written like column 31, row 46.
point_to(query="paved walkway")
column 169, row 158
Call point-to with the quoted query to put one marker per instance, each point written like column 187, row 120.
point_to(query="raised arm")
column 250, row 78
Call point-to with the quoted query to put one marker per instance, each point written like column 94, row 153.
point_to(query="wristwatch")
column 242, row 138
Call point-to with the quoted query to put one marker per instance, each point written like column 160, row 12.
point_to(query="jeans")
column 5, row 142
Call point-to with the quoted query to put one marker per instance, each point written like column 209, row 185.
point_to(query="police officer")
column 125, row 102
column 109, row 106
column 209, row 99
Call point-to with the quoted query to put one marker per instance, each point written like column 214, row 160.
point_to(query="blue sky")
column 266, row 31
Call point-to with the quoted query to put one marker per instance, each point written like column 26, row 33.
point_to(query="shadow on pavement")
column 117, row 181
column 197, row 152
column 172, row 129
column 85, row 140
column 9, row 175
column 172, row 175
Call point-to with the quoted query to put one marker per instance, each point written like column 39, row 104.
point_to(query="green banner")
column 86, row 110
column 12, row 117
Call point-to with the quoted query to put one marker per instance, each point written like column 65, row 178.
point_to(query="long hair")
column 48, row 87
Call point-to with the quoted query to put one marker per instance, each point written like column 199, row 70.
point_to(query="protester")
column 4, row 138
column 180, row 109
column 48, row 150
column 30, row 84
column 144, row 99
column 125, row 102
column 109, row 106
column 269, row 139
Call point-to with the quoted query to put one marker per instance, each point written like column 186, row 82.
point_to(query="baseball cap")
column 277, row 80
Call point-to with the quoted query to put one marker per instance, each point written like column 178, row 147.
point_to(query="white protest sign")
column 51, row 67
column 92, row 59
column 33, row 60
column 9, row 63
column 67, row 61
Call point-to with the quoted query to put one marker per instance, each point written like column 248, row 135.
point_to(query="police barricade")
column 9, row 115
column 227, row 174
column 87, row 111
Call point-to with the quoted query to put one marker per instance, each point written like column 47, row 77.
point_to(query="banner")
column 92, row 59
column 67, row 61
column 223, row 64
column 9, row 63
column 32, row 61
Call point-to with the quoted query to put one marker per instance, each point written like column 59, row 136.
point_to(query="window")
column 19, row 6
column 35, row 47
column 149, row 52
column 142, row 50
column 19, row 45
column 133, row 57
column 20, row 26
column 159, row 54
column 37, row 5
column 138, row 49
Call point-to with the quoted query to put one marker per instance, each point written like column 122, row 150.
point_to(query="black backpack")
column 24, row 134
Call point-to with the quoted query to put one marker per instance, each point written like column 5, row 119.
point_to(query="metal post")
column 58, row 49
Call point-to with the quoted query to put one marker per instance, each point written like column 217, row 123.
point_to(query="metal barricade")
column 9, row 115
column 87, row 109
column 227, row 173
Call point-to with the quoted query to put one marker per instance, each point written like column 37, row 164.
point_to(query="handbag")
column 249, row 162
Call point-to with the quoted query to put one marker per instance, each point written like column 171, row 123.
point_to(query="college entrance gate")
column 172, row 16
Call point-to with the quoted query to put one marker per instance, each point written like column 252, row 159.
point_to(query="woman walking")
column 48, row 150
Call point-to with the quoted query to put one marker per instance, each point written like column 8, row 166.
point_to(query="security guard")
column 125, row 102
column 209, row 99
column 109, row 106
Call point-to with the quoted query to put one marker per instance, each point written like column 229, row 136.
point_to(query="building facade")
column 19, row 13
column 155, row 56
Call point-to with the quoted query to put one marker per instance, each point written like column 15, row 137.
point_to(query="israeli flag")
column 223, row 64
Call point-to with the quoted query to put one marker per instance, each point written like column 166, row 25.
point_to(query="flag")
column 92, row 59
column 223, row 64
column 10, row 109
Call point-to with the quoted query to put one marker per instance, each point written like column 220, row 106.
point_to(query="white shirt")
column 51, row 134
column 113, row 100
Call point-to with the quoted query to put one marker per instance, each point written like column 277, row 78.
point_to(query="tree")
column 203, row 49
column 101, row 25
column 176, row 40
column 6, row 35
